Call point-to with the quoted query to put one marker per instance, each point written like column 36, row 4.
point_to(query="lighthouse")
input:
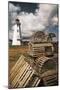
column 17, row 33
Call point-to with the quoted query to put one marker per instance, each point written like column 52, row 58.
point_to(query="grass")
column 15, row 52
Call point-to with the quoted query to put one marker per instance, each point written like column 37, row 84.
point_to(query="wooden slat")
column 24, row 68
column 28, row 79
column 13, row 75
column 25, row 78
column 18, row 63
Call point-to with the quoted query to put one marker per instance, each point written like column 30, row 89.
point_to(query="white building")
column 16, row 33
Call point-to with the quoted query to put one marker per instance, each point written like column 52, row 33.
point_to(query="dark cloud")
column 26, row 7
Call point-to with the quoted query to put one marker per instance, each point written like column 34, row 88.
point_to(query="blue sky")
column 54, row 29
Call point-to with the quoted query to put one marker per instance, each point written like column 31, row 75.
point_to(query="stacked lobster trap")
column 39, row 45
column 33, row 69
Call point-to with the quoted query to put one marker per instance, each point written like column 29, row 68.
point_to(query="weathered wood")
column 20, row 60
column 50, row 78
column 21, row 72
column 28, row 79
column 21, row 75
column 37, row 48
column 16, row 71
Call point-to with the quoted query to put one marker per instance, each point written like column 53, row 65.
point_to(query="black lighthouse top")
column 18, row 21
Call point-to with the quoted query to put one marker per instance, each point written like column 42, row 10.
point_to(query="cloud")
column 54, row 20
column 12, row 14
column 38, row 21
column 43, row 16
column 13, row 8
column 29, row 23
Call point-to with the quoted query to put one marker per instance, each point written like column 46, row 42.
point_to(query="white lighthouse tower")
column 17, row 33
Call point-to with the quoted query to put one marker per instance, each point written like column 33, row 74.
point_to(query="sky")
column 33, row 17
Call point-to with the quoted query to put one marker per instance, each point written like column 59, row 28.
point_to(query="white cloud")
column 54, row 20
column 13, row 12
column 13, row 8
column 38, row 21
